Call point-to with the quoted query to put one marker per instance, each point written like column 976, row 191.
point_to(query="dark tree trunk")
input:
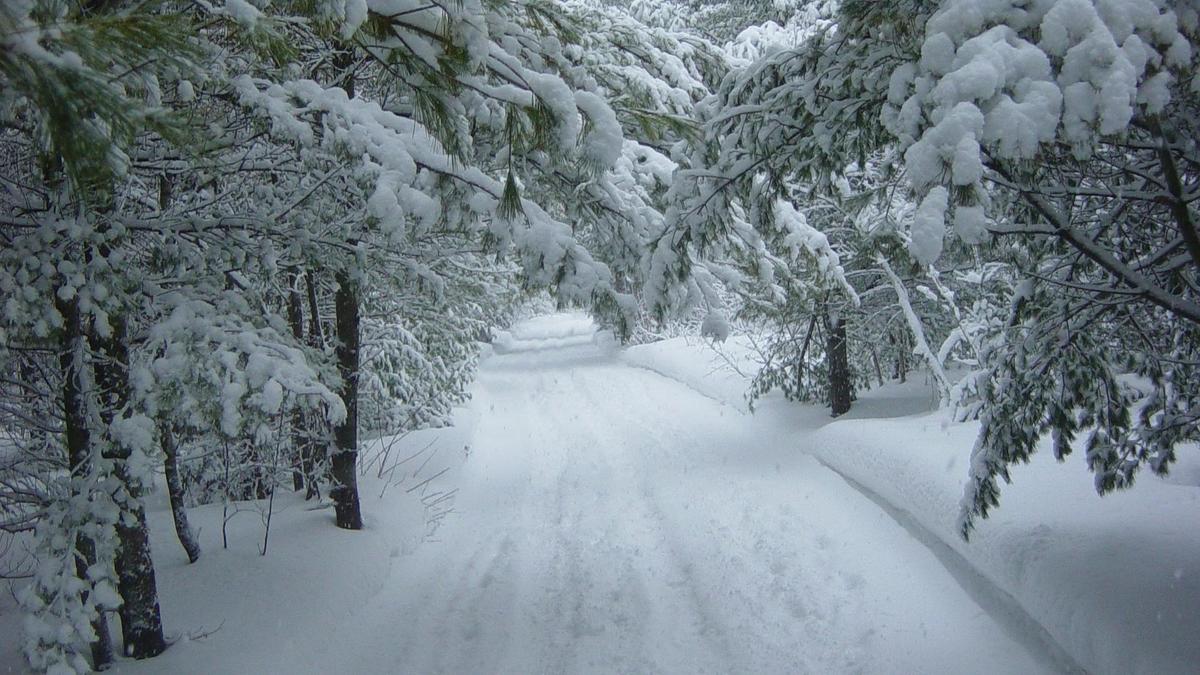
column 875, row 361
column 175, row 491
column 803, row 359
column 141, row 620
column 841, row 391
column 166, row 434
column 79, row 450
column 345, row 458
column 295, row 312
column 311, row 450
column 900, row 350
column 316, row 336
column 262, row 482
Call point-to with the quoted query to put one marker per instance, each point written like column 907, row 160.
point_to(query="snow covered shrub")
column 226, row 383
column 74, row 582
column 413, row 378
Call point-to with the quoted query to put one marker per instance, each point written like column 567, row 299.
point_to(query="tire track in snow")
column 816, row 584
column 609, row 594
column 657, row 434
column 616, row 432
column 470, row 617
column 575, row 550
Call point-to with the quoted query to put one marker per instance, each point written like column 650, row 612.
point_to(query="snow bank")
column 722, row 375
column 723, row 372
column 236, row 610
column 1115, row 581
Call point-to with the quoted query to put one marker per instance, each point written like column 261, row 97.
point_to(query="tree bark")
column 316, row 336
column 79, row 442
column 345, row 458
column 141, row 619
column 175, row 491
column 295, row 312
column 803, row 358
column 312, row 447
column 900, row 354
column 840, row 388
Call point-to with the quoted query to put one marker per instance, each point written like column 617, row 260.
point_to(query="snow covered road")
column 612, row 520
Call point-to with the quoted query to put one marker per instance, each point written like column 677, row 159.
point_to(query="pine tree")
column 1071, row 155
column 75, row 74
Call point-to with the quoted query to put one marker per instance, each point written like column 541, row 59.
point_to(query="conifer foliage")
column 240, row 238
column 1015, row 187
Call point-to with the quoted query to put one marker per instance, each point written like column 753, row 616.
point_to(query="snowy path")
column 613, row 520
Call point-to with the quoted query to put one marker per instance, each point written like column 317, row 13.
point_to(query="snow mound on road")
column 541, row 333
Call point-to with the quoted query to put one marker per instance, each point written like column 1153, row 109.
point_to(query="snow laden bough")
column 401, row 153
column 1036, row 103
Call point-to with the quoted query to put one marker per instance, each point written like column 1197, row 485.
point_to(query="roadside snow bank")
column 237, row 610
column 724, row 376
column 1115, row 581
column 724, row 371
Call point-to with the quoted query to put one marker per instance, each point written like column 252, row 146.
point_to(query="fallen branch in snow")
column 204, row 634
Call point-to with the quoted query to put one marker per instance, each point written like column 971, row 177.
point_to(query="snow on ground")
column 237, row 611
column 1112, row 582
column 614, row 521
column 1116, row 580
column 604, row 517
column 722, row 375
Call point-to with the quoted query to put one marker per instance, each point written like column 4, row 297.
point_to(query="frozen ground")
column 609, row 518
column 1113, row 582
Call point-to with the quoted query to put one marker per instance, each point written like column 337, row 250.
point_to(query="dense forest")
column 238, row 237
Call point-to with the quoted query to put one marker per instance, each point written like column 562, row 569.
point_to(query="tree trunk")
column 295, row 312
column 78, row 439
column 900, row 353
column 312, row 447
column 141, row 620
column 803, row 359
column 345, row 458
column 262, row 482
column 316, row 336
column 175, row 491
column 840, row 388
column 344, row 469
column 875, row 361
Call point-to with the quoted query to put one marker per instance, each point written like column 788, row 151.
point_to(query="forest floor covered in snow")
column 605, row 510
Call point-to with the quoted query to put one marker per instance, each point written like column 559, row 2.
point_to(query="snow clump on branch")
column 1001, row 79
